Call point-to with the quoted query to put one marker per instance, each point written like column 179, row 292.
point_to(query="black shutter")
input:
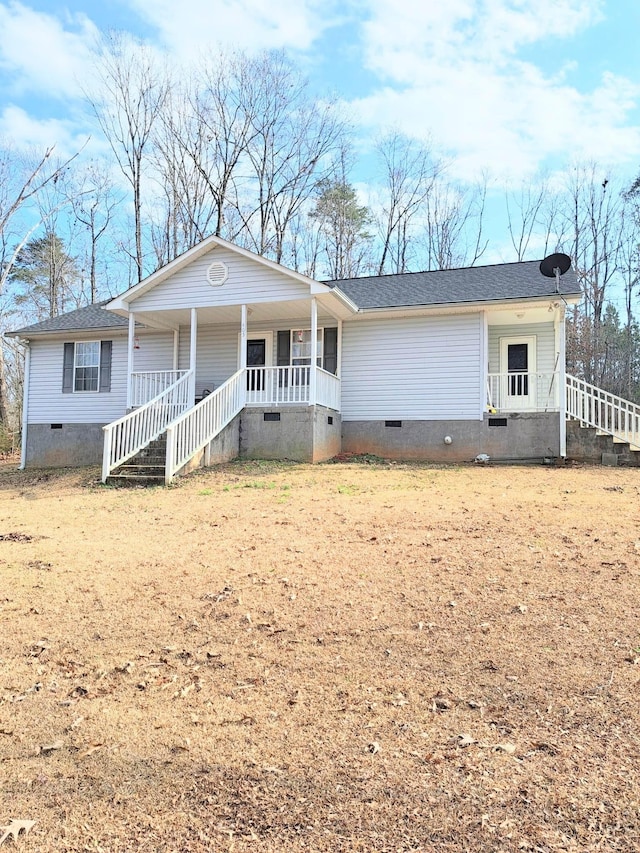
column 284, row 349
column 283, row 355
column 67, row 369
column 105, row 366
column 331, row 350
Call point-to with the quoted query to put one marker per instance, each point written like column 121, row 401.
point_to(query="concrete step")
column 134, row 480
column 137, row 468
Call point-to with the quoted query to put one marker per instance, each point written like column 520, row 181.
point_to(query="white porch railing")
column 125, row 437
column 327, row 389
column 606, row 412
column 275, row 386
column 523, row 392
column 145, row 386
column 197, row 427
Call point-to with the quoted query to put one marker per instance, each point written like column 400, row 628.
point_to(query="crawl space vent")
column 217, row 273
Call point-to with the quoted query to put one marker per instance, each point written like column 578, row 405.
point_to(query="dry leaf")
column 14, row 829
column 509, row 748
column 94, row 747
column 51, row 747
column 465, row 740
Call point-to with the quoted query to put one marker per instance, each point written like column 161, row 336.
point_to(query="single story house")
column 223, row 353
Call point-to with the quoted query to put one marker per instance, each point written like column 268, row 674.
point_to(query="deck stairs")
column 601, row 426
column 146, row 468
column 158, row 440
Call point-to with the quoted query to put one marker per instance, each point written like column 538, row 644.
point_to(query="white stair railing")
column 125, row 437
column 191, row 432
column 606, row 412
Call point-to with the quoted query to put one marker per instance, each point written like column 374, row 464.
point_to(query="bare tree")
column 94, row 201
column 409, row 173
column 127, row 102
column 23, row 177
column 454, row 225
column 524, row 210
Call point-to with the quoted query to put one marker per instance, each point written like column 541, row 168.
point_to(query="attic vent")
column 217, row 273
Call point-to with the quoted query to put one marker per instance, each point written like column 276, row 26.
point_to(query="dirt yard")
column 345, row 657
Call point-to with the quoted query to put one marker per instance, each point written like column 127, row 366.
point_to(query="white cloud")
column 39, row 55
column 24, row 132
column 452, row 70
column 189, row 27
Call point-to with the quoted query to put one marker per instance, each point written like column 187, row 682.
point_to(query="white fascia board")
column 72, row 334
column 122, row 302
column 464, row 307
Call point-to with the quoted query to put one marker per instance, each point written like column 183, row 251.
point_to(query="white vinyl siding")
column 545, row 344
column 248, row 281
column 155, row 352
column 47, row 403
column 423, row 368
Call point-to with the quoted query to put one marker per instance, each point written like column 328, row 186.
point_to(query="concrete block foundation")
column 299, row 433
column 507, row 437
column 64, row 445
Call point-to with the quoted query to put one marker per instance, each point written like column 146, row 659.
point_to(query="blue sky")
column 500, row 87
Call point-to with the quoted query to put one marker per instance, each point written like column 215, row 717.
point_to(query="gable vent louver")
column 217, row 273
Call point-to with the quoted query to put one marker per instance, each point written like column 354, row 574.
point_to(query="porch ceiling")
column 523, row 314
column 260, row 312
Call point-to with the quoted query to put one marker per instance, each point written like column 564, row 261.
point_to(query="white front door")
column 518, row 373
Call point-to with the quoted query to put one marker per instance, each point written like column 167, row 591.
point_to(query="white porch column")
column 339, row 351
column 176, row 348
column 243, row 338
column 193, row 343
column 130, row 350
column 314, row 352
column 484, row 366
column 562, row 379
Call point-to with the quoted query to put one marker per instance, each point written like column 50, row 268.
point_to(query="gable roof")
column 121, row 302
column 88, row 318
column 493, row 283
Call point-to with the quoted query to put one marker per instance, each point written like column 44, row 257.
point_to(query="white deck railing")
column 606, row 412
column 147, row 385
column 192, row 431
column 125, row 437
column 523, row 392
column 327, row 389
column 276, row 386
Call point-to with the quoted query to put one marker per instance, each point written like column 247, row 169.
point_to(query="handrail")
column 125, row 437
column 606, row 412
column 194, row 429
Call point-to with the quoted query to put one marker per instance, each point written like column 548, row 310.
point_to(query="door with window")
column 256, row 357
column 518, row 372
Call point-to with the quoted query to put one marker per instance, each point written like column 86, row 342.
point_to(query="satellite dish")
column 551, row 263
column 553, row 266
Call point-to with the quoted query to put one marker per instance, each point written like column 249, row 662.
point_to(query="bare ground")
column 348, row 657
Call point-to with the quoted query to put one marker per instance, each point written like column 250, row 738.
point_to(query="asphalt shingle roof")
column 90, row 317
column 441, row 287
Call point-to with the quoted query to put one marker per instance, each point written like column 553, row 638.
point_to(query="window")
column 301, row 347
column 86, row 367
